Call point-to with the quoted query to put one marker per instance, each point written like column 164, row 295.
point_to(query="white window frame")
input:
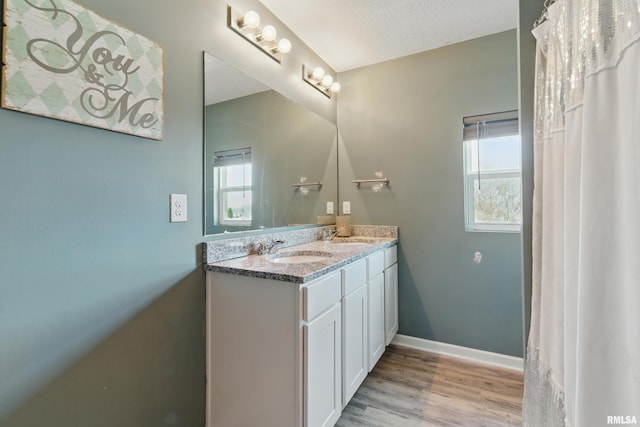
column 223, row 160
column 224, row 191
column 470, row 176
column 470, row 224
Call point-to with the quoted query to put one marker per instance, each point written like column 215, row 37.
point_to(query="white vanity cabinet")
column 322, row 331
column 288, row 354
column 375, row 285
column 390, row 293
column 354, row 328
column 274, row 351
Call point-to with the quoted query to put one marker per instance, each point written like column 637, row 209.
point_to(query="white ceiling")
column 348, row 34
column 235, row 84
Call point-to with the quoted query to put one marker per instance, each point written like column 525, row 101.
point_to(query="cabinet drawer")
column 390, row 256
column 354, row 276
column 375, row 264
column 322, row 294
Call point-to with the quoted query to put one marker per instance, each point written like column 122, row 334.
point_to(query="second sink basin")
column 298, row 257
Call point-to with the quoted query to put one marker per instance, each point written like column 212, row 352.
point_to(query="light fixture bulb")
column 251, row 19
column 269, row 33
column 327, row 81
column 335, row 87
column 318, row 73
column 284, row 46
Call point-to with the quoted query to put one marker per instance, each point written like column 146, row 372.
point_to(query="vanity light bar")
column 320, row 80
column 265, row 38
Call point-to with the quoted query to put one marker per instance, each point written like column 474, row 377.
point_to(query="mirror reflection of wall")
column 257, row 145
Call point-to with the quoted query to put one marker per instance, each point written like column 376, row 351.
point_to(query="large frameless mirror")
column 268, row 161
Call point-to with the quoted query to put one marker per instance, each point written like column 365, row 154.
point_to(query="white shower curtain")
column 583, row 356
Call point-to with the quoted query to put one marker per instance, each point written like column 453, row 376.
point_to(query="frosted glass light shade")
column 335, row 87
column 269, row 33
column 318, row 73
column 251, row 19
column 327, row 81
column 284, row 46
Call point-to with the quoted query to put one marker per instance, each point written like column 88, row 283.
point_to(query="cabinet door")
column 323, row 369
column 390, row 302
column 354, row 342
column 376, row 319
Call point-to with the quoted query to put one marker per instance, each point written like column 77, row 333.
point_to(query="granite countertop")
column 342, row 252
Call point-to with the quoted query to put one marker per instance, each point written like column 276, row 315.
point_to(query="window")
column 232, row 182
column 492, row 173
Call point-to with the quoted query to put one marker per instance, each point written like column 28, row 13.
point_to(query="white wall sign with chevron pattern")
column 64, row 61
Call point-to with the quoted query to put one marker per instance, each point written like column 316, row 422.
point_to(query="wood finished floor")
column 413, row 388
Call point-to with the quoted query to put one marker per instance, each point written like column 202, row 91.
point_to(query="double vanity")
column 293, row 330
column 294, row 322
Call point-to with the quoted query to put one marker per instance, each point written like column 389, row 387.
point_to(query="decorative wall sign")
column 62, row 60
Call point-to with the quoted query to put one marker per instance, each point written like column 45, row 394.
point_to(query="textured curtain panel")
column 583, row 358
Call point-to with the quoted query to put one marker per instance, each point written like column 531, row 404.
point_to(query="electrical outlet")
column 329, row 208
column 178, row 207
column 346, row 207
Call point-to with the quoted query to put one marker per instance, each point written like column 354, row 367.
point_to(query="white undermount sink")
column 299, row 257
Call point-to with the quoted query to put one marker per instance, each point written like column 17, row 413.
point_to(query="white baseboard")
column 466, row 353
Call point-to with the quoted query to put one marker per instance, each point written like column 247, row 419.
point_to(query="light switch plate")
column 346, row 207
column 329, row 208
column 178, row 207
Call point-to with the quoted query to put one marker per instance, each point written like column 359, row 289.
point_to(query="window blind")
column 490, row 125
column 239, row 156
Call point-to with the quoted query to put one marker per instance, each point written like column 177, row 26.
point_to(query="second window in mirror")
column 232, row 187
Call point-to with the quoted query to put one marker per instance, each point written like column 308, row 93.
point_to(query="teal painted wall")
column 404, row 118
column 101, row 298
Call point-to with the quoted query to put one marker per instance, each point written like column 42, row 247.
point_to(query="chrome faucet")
column 274, row 245
column 261, row 247
column 257, row 247
column 328, row 234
